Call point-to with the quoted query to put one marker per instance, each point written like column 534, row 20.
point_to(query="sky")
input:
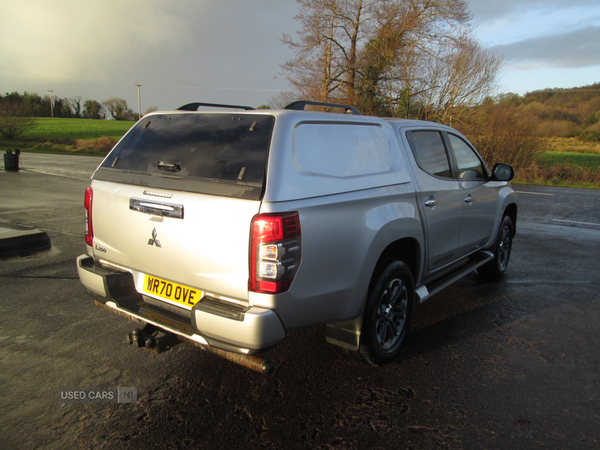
column 229, row 51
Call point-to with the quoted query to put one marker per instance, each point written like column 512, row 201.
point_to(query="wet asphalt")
column 513, row 364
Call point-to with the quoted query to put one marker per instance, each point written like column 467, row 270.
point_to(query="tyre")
column 387, row 315
column 494, row 269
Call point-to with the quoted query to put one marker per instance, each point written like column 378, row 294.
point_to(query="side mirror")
column 502, row 172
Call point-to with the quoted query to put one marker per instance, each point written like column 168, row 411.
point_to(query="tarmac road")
column 502, row 365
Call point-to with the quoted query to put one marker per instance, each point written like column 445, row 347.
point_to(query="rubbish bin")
column 11, row 160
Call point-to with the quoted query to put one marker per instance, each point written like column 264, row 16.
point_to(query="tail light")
column 275, row 252
column 89, row 228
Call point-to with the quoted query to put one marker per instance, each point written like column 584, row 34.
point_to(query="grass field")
column 587, row 160
column 70, row 136
column 565, row 162
column 570, row 152
column 74, row 129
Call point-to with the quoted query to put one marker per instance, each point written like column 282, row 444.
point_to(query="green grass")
column 553, row 158
column 55, row 128
column 566, row 162
column 70, row 136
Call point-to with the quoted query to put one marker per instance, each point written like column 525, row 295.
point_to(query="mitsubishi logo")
column 154, row 240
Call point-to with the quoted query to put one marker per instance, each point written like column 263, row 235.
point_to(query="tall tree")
column 75, row 103
column 465, row 76
column 325, row 64
column 93, row 110
column 385, row 56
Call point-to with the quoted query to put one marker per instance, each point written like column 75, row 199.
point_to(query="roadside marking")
column 548, row 282
column 533, row 193
column 580, row 223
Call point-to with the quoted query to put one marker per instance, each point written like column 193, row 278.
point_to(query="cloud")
column 71, row 39
column 491, row 10
column 580, row 48
column 100, row 49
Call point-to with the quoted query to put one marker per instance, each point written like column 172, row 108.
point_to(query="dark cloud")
column 180, row 51
column 580, row 48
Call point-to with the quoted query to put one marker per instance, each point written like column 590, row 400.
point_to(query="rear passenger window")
column 341, row 150
column 469, row 165
column 430, row 152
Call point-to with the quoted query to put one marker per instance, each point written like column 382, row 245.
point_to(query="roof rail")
column 195, row 106
column 300, row 104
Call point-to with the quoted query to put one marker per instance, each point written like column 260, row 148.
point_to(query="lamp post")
column 139, row 102
column 51, row 108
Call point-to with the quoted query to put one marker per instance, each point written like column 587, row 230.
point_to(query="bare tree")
column 410, row 35
column 309, row 70
column 75, row 103
column 15, row 120
column 326, row 60
column 390, row 57
column 461, row 76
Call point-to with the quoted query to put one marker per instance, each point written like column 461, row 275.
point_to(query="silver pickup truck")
column 228, row 228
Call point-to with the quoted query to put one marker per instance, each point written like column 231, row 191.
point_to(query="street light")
column 139, row 102
column 51, row 109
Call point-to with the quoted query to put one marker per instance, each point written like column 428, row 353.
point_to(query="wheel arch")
column 347, row 333
column 406, row 250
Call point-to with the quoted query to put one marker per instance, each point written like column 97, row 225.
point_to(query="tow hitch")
column 147, row 337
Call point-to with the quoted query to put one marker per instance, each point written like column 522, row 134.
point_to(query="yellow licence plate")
column 166, row 290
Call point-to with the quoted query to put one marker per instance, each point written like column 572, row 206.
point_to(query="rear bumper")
column 222, row 325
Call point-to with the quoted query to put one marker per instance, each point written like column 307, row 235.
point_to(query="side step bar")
column 423, row 292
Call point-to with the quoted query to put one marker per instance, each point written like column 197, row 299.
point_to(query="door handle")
column 469, row 199
column 431, row 203
column 156, row 209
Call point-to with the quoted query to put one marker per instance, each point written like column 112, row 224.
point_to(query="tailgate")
column 193, row 240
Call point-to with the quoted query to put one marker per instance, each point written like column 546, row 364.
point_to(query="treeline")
column 554, row 112
column 546, row 113
column 34, row 105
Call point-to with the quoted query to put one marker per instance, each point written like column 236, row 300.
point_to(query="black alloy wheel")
column 495, row 268
column 388, row 314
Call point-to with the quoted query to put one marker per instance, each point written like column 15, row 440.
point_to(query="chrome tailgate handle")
column 156, row 209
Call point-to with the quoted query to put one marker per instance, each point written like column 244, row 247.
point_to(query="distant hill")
column 558, row 112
